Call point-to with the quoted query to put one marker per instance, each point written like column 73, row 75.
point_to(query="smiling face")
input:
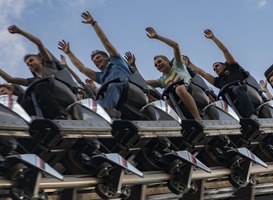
column 100, row 60
column 218, row 67
column 162, row 64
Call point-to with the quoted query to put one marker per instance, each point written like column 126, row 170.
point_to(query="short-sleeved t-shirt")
column 231, row 73
column 178, row 72
column 117, row 67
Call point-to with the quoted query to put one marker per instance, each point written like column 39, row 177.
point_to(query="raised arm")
column 205, row 75
column 267, row 92
column 210, row 35
column 131, row 60
column 152, row 83
column 43, row 51
column 15, row 80
column 88, row 19
column 64, row 46
column 76, row 77
column 151, row 33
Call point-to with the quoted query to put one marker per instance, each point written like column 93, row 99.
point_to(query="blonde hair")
column 161, row 56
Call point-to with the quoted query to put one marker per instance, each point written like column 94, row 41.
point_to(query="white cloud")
column 11, row 48
column 262, row 3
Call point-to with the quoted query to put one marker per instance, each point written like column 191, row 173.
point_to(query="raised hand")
column 208, row 33
column 263, row 84
column 88, row 19
column 64, row 46
column 6, row 90
column 151, row 33
column 130, row 58
column 90, row 82
column 13, row 29
column 186, row 59
column 63, row 60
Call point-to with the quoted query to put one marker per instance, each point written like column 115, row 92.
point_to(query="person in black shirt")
column 228, row 72
column 41, row 66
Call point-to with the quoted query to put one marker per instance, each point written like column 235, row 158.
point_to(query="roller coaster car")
column 26, row 169
column 209, row 138
column 219, row 120
column 14, row 124
column 141, row 133
column 140, row 122
column 256, row 134
column 73, row 144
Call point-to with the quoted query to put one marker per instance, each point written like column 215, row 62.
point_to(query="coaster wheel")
column 19, row 194
column 72, row 164
column 175, row 166
column 103, row 169
column 175, row 185
column 126, row 192
column 105, row 191
column 264, row 151
column 235, row 162
column 236, row 181
column 208, row 157
column 145, row 160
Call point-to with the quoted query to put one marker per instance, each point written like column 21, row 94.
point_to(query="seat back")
column 254, row 91
column 131, row 101
column 199, row 95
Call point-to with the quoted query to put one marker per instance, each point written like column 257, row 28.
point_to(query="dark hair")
column 30, row 55
column 103, row 53
column 219, row 63
column 269, row 72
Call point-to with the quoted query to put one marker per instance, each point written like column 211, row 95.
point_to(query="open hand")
column 88, row 19
column 130, row 57
column 151, row 32
column 64, row 46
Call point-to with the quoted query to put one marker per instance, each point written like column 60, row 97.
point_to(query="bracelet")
column 93, row 23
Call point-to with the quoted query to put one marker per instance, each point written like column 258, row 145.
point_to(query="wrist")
column 93, row 23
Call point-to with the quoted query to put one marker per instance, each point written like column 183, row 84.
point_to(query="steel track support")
column 138, row 192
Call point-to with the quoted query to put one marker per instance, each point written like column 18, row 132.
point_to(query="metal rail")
column 149, row 178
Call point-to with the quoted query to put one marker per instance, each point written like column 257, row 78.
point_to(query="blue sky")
column 244, row 26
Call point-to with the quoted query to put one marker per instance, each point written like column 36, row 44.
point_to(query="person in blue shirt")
column 112, row 66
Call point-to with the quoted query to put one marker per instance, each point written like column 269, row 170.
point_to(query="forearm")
column 195, row 68
column 219, row 44
column 229, row 58
column 173, row 44
column 152, row 83
column 75, row 61
column 133, row 67
column 80, row 66
column 268, row 94
column 38, row 42
column 103, row 38
column 10, row 79
column 202, row 73
column 167, row 41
